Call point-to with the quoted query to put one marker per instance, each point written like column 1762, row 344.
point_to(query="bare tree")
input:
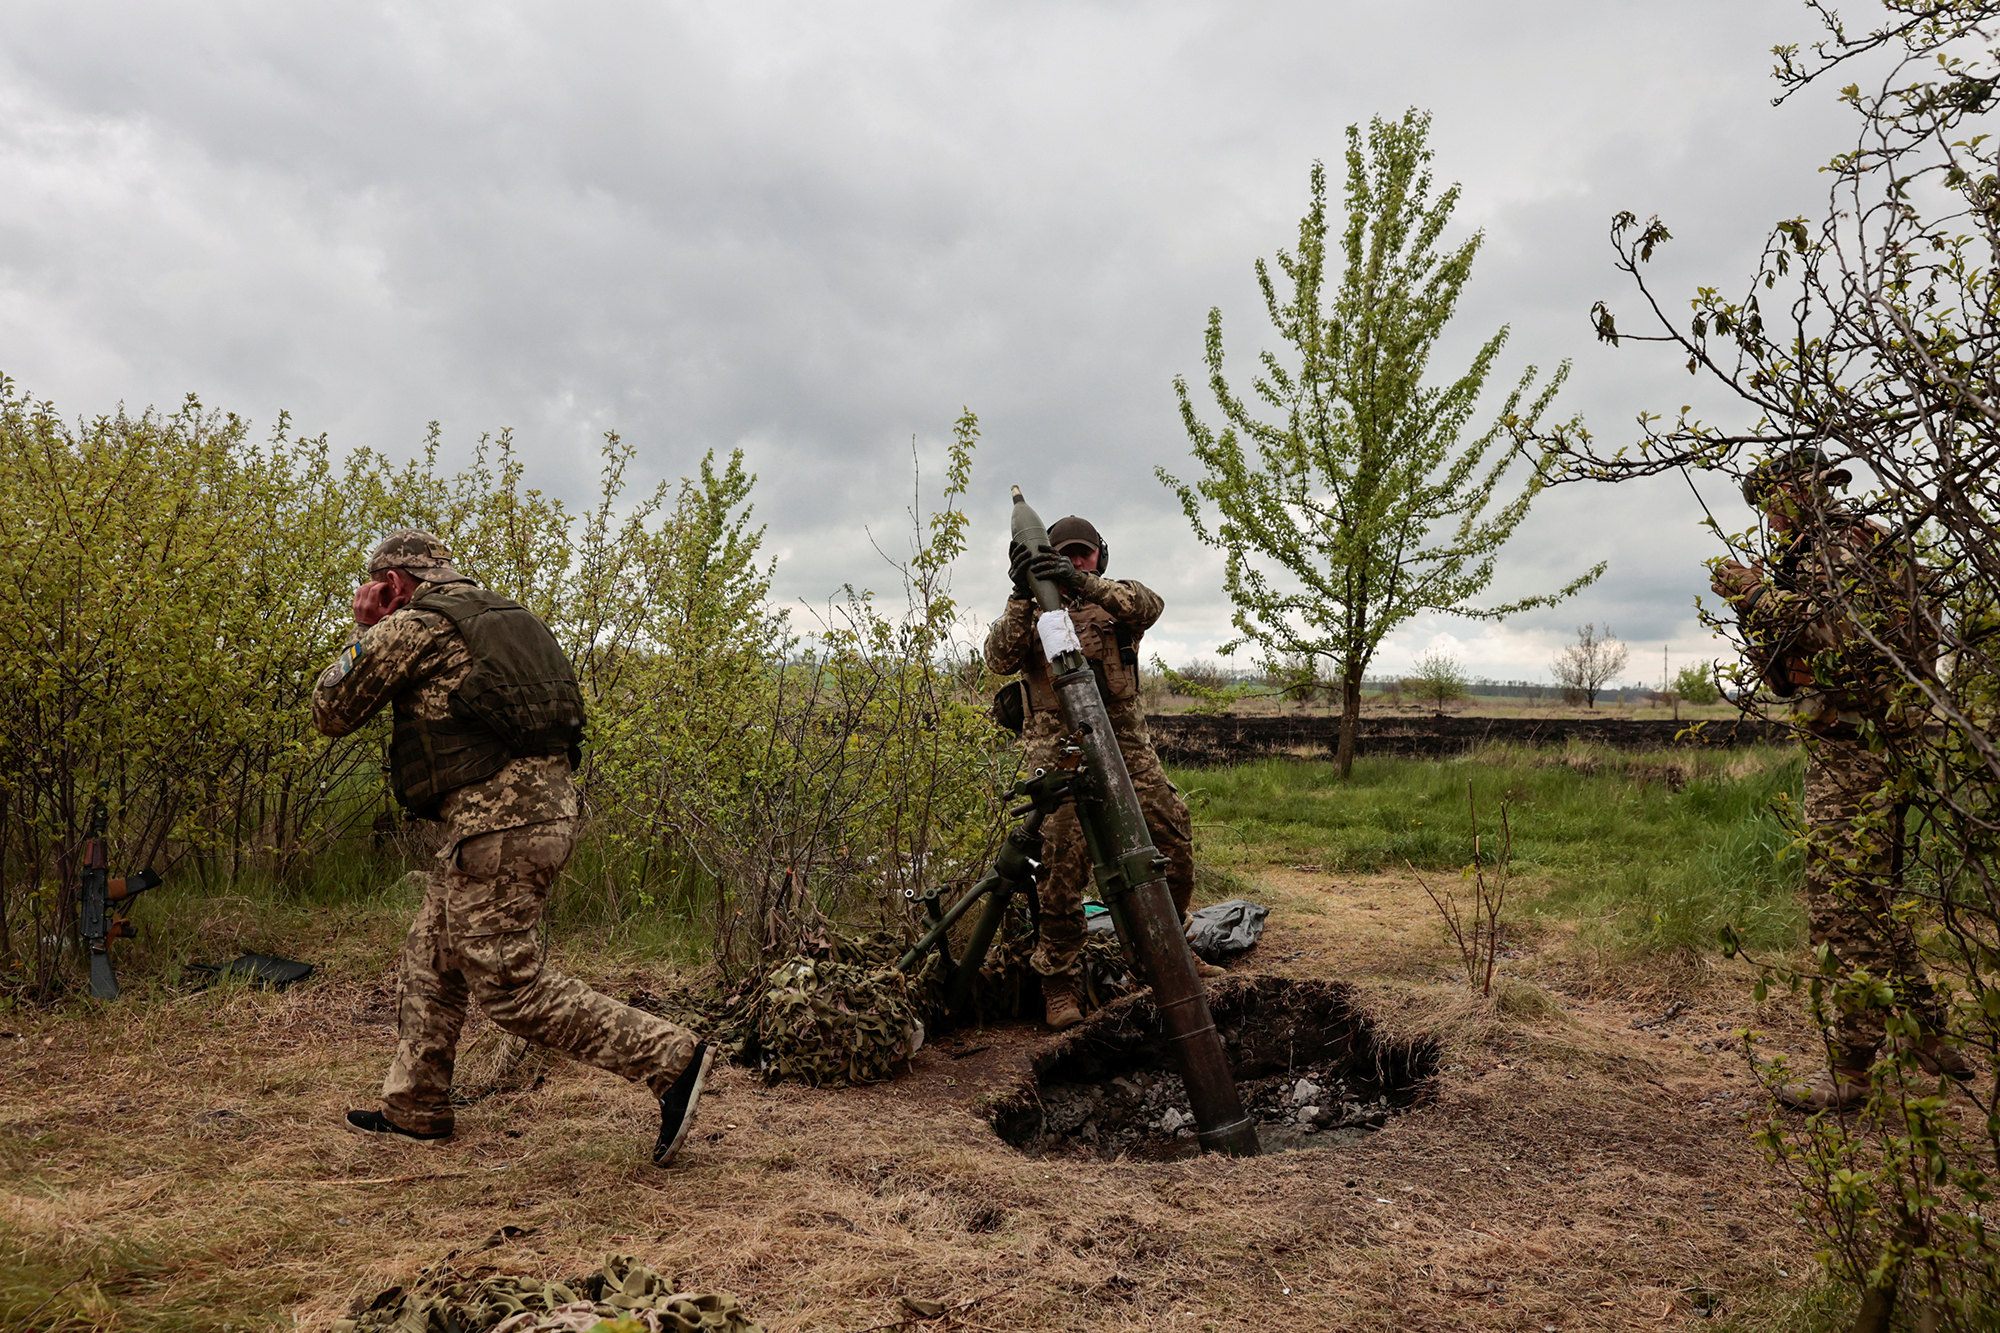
column 1586, row 666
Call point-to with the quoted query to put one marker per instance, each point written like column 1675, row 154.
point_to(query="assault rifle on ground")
column 98, row 922
column 1130, row 872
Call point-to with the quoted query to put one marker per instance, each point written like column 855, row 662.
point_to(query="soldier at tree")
column 1830, row 574
column 1111, row 616
column 488, row 720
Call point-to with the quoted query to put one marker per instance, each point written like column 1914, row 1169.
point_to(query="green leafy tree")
column 1214, row 694
column 1439, row 680
column 1694, row 683
column 1360, row 504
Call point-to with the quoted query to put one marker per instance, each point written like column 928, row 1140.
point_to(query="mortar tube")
column 1131, row 880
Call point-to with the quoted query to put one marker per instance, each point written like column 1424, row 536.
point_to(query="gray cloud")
column 817, row 231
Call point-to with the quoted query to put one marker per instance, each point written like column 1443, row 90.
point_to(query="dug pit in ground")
column 1310, row 1066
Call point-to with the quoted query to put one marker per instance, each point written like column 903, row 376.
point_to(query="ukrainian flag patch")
column 348, row 657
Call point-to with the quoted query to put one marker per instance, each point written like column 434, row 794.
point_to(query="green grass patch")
column 1662, row 848
column 112, row 1286
column 1818, row 1307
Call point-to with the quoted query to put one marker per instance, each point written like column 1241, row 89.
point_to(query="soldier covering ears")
column 488, row 724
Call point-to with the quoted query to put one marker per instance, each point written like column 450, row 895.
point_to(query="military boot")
column 1837, row 1089
column 1939, row 1059
column 677, row 1107
column 1060, row 1005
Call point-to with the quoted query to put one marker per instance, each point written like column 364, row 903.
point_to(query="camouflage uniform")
column 475, row 937
column 1101, row 608
column 1850, row 709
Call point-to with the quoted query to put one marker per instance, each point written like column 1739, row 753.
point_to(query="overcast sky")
column 815, row 231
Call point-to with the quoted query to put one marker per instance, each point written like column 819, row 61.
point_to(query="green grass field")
column 1598, row 836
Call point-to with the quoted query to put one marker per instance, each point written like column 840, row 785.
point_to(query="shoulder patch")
column 344, row 663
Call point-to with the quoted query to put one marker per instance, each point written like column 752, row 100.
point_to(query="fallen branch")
column 25, row 1323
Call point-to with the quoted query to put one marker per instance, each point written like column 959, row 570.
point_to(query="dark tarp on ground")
column 1221, row 932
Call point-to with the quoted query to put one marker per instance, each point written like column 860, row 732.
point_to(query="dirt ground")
column 1574, row 1171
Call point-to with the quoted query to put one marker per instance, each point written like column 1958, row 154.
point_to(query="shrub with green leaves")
column 1695, row 683
column 178, row 586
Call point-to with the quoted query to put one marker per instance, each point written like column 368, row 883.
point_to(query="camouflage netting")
column 842, row 1015
column 831, row 1024
column 837, row 1016
column 626, row 1297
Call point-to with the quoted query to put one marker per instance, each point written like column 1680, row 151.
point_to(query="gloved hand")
column 1017, row 570
column 1056, row 568
column 1734, row 581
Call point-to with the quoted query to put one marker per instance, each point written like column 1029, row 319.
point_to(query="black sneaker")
column 677, row 1107
column 374, row 1122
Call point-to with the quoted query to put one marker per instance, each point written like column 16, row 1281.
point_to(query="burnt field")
column 1190, row 740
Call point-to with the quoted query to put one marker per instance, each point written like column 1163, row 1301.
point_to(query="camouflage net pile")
column 831, row 1024
column 838, row 1016
column 842, row 1015
column 626, row 1297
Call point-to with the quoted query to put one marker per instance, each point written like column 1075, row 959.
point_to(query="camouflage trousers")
column 1854, row 866
column 1060, row 942
column 475, row 938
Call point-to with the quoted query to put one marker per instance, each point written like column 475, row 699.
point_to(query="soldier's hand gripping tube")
column 1131, row 873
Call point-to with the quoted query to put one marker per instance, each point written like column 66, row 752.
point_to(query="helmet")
column 1805, row 465
column 1074, row 531
column 417, row 551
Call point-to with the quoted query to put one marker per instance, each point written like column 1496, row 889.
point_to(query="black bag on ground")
column 1221, row 932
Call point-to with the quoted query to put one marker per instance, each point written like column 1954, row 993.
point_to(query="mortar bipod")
column 1014, row 870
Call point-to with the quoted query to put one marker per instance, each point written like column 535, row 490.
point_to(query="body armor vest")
column 520, row 698
column 1864, row 682
column 1113, row 651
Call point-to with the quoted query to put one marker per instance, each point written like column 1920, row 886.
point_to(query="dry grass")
column 182, row 1151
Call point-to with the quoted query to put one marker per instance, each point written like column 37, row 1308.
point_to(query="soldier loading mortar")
column 1085, row 779
column 1110, row 617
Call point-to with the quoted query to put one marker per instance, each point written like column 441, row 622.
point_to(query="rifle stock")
column 96, row 921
